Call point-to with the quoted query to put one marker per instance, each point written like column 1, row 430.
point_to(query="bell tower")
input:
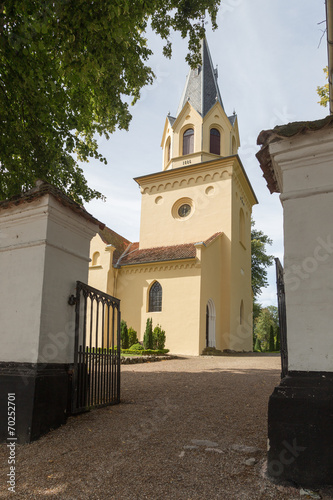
column 201, row 130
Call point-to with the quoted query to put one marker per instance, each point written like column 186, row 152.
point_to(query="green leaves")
column 259, row 260
column 67, row 68
column 323, row 91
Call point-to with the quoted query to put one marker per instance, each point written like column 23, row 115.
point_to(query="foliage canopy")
column 266, row 329
column 68, row 70
column 323, row 91
column 260, row 261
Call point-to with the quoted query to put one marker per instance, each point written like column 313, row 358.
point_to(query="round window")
column 184, row 210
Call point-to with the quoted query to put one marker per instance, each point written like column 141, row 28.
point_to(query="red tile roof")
column 41, row 189
column 112, row 238
column 160, row 254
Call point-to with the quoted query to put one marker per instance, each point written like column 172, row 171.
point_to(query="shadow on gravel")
column 178, row 435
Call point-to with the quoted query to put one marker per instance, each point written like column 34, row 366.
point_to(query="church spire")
column 201, row 88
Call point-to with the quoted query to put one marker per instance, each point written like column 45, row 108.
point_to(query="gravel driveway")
column 186, row 429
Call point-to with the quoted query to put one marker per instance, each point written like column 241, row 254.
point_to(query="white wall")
column 305, row 166
column 44, row 250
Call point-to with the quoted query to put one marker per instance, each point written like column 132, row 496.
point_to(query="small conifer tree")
column 132, row 337
column 148, row 335
column 124, row 335
column 159, row 338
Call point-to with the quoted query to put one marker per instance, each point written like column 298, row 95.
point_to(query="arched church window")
column 214, row 146
column 188, row 141
column 155, row 297
column 242, row 227
column 169, row 151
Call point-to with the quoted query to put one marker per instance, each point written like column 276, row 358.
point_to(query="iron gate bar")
column 282, row 317
column 96, row 380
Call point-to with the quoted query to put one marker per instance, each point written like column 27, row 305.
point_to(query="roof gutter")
column 329, row 25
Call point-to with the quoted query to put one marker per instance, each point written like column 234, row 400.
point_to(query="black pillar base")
column 300, row 429
column 42, row 395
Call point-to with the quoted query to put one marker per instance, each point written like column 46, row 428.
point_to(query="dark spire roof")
column 201, row 88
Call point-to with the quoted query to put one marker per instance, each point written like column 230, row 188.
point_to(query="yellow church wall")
column 206, row 186
column 216, row 118
column 213, row 287
column 189, row 118
column 100, row 269
column 241, row 321
column 180, row 302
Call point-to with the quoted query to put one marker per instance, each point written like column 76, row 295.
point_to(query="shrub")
column 277, row 345
column 124, row 334
column 142, row 352
column 158, row 338
column 148, row 335
column 257, row 346
column 136, row 347
column 132, row 337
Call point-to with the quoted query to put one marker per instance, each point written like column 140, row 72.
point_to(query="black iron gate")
column 282, row 317
column 96, row 377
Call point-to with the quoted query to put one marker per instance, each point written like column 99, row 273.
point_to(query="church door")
column 210, row 324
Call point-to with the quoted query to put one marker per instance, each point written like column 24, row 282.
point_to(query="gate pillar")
column 297, row 162
column 44, row 248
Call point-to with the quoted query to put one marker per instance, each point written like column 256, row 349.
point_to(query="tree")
column 148, row 335
column 259, row 259
column 68, row 72
column 132, row 337
column 257, row 345
column 271, row 338
column 159, row 338
column 323, row 91
column 266, row 327
column 124, row 335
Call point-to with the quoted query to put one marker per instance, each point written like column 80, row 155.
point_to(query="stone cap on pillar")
column 283, row 132
column 43, row 188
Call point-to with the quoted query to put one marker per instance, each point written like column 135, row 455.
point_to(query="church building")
column 191, row 270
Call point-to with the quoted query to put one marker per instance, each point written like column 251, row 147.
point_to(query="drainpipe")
column 329, row 25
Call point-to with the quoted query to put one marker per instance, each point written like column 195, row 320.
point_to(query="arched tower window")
column 241, row 313
column 214, row 145
column 188, row 141
column 95, row 259
column 242, row 227
column 155, row 297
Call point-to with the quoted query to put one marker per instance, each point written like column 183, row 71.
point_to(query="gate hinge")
column 72, row 300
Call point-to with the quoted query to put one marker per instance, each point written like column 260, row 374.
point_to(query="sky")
column 270, row 57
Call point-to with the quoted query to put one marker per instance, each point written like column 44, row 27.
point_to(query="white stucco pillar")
column 303, row 166
column 297, row 160
column 44, row 250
